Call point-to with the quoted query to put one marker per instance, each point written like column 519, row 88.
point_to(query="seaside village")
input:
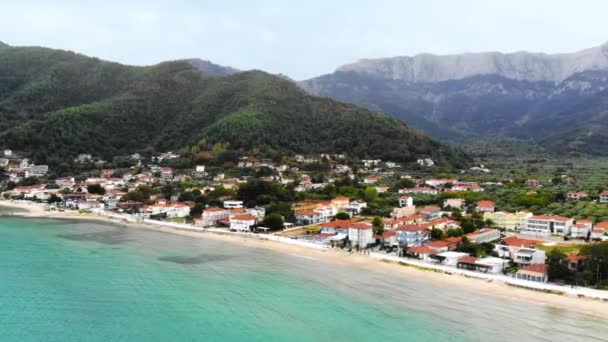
column 383, row 214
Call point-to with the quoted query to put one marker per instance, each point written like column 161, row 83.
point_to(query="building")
column 340, row 203
column 412, row 235
column 534, row 272
column 212, row 216
column 576, row 262
column 360, row 235
column 166, row 173
column 430, row 212
column 242, row 223
column 371, row 179
column 421, row 252
column 421, row 190
column 576, row 195
column 507, row 220
column 438, row 246
column 485, row 206
column 336, row 227
column 548, row 225
column 521, row 251
column 172, row 210
column 233, row 204
column 406, row 201
column 535, row 183
column 454, row 203
column 355, row 207
column 599, row 230
column 484, row 235
column 308, row 217
column 581, row 229
column 440, row 182
column 604, row 196
column 449, row 258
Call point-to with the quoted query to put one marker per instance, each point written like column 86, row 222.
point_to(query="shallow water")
column 89, row 281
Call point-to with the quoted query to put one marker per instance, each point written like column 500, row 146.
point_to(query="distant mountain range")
column 57, row 104
column 557, row 100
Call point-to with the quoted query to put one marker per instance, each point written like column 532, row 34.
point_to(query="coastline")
column 485, row 287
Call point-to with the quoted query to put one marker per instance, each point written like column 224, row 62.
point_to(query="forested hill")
column 56, row 104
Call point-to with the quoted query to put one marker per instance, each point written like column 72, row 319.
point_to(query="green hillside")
column 56, row 104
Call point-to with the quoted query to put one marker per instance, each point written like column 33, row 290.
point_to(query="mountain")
column 474, row 95
column 57, row 104
column 210, row 69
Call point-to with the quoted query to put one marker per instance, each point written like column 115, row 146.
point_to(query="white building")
column 242, row 223
column 406, row 201
column 548, row 225
column 581, row 229
column 484, row 235
column 450, row 258
column 171, row 210
column 211, row 216
column 360, row 235
column 233, row 204
column 604, row 196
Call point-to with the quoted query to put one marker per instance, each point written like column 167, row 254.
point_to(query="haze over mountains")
column 56, row 104
column 558, row 100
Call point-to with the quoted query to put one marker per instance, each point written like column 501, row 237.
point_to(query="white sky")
column 301, row 39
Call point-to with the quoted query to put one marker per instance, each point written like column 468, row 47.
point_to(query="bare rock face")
column 518, row 66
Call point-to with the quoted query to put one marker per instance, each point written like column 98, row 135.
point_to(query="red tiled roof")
column 485, row 204
column 213, row 209
column 243, row 218
column 411, row 228
column 437, row 244
column 467, row 259
column 515, row 241
column 603, row 225
column 550, row 218
column 575, row 257
column 537, row 268
column 420, row 250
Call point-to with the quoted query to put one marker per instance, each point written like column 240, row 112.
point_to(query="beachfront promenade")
column 448, row 270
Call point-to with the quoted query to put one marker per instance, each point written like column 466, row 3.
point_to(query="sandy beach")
column 493, row 288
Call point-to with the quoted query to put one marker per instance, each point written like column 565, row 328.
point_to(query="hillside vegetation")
column 55, row 105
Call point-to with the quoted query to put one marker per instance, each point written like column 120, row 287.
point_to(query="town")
column 334, row 201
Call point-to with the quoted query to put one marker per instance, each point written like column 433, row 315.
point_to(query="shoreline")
column 494, row 288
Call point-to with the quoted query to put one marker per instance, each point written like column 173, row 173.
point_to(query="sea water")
column 66, row 280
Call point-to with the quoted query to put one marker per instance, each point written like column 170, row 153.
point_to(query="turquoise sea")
column 87, row 281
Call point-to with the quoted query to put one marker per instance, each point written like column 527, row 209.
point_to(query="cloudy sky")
column 301, row 39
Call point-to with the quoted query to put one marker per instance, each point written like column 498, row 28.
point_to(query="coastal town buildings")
column 548, row 225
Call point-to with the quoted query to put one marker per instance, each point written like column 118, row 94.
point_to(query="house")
column 212, row 216
column 484, row 235
column 438, row 246
column 340, row 203
column 172, row 210
column 400, row 212
column 485, row 206
column 389, row 238
column 327, row 212
column 421, row 190
column 166, row 173
column 604, row 196
column 581, row 229
column 454, row 203
column 534, row 183
column 371, row 179
column 575, row 262
column 507, row 220
column 412, row 235
column 599, row 230
column 439, row 182
column 336, row 227
column 242, row 223
column 521, row 251
column 442, row 223
column 233, row 204
column 534, row 272
column 308, row 217
column 430, row 212
column 449, row 258
column 576, row 195
column 355, row 207
column 421, row 252
column 360, row 234
column 406, row 201
column 548, row 225
column 485, row 265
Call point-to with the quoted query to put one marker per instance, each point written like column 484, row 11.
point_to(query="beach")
column 338, row 257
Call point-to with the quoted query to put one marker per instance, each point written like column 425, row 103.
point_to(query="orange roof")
column 243, row 218
column 437, row 244
column 214, row 209
column 515, row 241
column 536, row 268
column 575, row 257
column 420, row 250
column 603, row 225
column 467, row 259
column 307, row 212
column 485, row 204
column 341, row 198
column 550, row 218
column 411, row 228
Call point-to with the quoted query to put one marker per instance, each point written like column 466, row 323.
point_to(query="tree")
column 53, row 199
column 273, row 221
column 453, row 232
column 378, row 225
column 96, row 189
column 596, row 265
column 436, row 234
column 342, row 216
column 558, row 267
